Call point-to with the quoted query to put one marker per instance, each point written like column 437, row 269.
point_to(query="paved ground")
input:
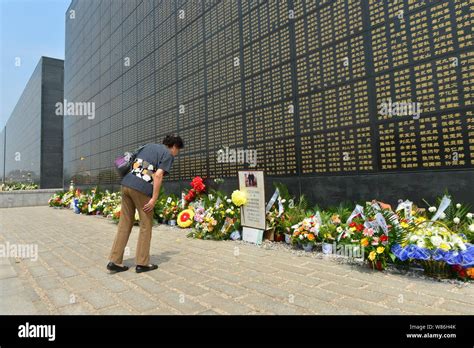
column 194, row 276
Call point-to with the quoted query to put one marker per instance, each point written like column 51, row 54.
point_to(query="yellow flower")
column 239, row 198
column 404, row 224
column 380, row 250
column 420, row 219
column 372, row 255
column 364, row 242
column 173, row 203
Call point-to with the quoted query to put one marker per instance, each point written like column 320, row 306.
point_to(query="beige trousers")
column 131, row 200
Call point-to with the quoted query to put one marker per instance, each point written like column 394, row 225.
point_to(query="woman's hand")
column 149, row 206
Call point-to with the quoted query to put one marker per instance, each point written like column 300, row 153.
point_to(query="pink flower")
column 369, row 232
column 375, row 241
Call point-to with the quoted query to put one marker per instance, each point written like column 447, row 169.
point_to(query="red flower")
column 190, row 196
column 200, row 187
column 198, row 184
column 383, row 238
column 185, row 217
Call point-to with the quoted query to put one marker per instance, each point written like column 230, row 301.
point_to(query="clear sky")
column 29, row 29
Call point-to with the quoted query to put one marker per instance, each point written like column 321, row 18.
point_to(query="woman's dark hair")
column 170, row 140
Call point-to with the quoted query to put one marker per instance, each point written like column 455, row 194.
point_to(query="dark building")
column 2, row 154
column 340, row 99
column 32, row 140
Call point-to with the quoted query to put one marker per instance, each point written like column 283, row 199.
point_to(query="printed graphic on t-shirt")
column 143, row 170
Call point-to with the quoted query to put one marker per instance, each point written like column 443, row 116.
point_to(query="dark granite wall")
column 51, row 124
column 33, row 150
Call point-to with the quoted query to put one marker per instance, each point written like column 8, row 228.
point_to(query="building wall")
column 52, row 124
column 2, row 153
column 23, row 136
column 304, row 92
column 34, row 132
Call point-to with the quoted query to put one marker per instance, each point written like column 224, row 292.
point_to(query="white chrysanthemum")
column 420, row 243
column 414, row 238
column 436, row 240
column 432, row 209
column 456, row 220
column 339, row 229
column 458, row 205
column 471, row 228
column 442, row 216
column 229, row 200
column 469, row 215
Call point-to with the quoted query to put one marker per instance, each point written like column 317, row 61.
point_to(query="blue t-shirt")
column 148, row 160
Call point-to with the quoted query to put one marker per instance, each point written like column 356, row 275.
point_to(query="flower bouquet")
column 82, row 203
column 170, row 212
column 197, row 189
column 331, row 227
column 205, row 224
column 305, row 233
column 109, row 202
column 351, row 231
column 456, row 217
column 375, row 227
column 56, row 200
column 278, row 214
column 436, row 248
column 216, row 217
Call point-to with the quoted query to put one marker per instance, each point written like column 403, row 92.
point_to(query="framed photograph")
column 253, row 213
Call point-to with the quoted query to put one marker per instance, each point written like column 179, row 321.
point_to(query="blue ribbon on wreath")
column 464, row 258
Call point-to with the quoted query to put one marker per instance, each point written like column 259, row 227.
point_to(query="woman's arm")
column 157, row 181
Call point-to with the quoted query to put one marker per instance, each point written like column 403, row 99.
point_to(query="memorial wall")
column 339, row 99
column 31, row 142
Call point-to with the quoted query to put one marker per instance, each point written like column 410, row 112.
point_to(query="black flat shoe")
column 141, row 269
column 116, row 268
